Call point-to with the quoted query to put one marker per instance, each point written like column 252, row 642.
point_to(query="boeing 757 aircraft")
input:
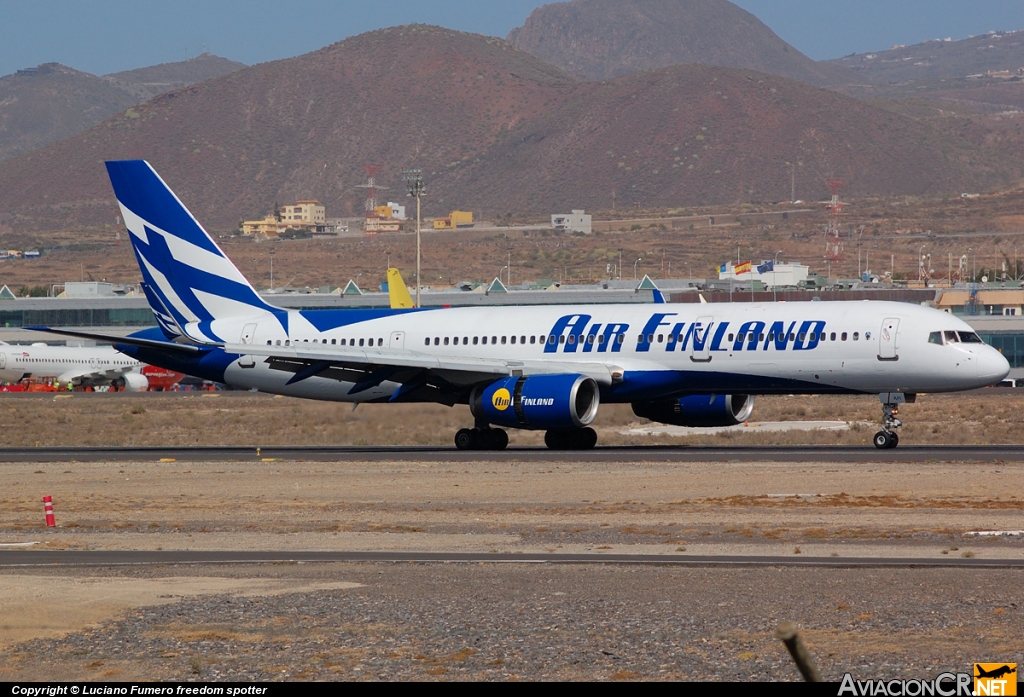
column 544, row 368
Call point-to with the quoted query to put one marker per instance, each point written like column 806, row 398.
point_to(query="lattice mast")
column 833, row 234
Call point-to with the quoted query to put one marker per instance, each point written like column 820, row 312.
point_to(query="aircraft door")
column 3, row 361
column 397, row 340
column 887, row 346
column 700, row 342
column 248, row 332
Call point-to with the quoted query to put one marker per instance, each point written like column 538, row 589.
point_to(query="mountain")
column 495, row 129
column 602, row 39
column 145, row 83
column 51, row 102
column 941, row 59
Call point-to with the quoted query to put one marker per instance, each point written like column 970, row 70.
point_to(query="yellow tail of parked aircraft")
column 400, row 298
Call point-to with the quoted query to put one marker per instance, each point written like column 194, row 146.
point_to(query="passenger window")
column 380, row 342
column 792, row 337
column 314, row 341
column 602, row 338
column 731, row 336
column 620, row 338
column 561, row 339
column 833, row 337
column 476, row 340
column 935, row 338
column 437, row 341
column 269, row 343
column 446, row 341
column 760, row 337
column 522, row 340
column 287, row 342
column 843, row 336
column 513, row 340
column 551, row 339
column 334, row 342
column 533, row 340
column 361, row 342
column 494, row 339
column 800, row 336
column 856, row 336
column 278, row 342
column 771, row 336
column 465, row 340
column 572, row 338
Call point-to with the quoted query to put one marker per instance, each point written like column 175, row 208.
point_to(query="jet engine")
column 537, row 402
column 135, row 382
column 698, row 410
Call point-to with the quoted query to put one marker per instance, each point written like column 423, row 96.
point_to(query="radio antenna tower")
column 371, row 187
column 833, row 236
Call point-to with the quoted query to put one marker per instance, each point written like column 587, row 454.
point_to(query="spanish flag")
column 743, row 268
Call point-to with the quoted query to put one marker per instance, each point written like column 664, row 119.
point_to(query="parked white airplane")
column 546, row 368
column 85, row 365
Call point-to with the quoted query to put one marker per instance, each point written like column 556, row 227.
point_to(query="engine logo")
column 501, row 399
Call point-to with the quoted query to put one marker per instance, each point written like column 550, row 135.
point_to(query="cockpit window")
column 935, row 338
column 951, row 337
column 970, row 338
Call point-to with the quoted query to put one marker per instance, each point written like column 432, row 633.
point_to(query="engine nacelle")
column 698, row 410
column 538, row 402
column 135, row 382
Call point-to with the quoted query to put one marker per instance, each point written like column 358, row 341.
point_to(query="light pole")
column 974, row 274
column 413, row 179
column 271, row 269
column 634, row 267
column 775, row 278
column 389, row 258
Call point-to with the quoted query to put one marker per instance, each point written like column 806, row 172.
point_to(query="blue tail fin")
column 186, row 274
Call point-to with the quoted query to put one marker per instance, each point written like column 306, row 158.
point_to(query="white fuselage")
column 78, row 365
column 651, row 350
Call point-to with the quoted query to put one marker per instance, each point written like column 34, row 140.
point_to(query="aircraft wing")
column 314, row 360
column 173, row 347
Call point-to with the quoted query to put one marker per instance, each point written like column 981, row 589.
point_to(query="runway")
column 64, row 559
column 669, row 453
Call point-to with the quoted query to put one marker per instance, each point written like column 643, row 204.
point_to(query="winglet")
column 399, row 294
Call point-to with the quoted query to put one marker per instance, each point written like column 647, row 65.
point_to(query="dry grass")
column 247, row 419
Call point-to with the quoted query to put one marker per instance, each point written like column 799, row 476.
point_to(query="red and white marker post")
column 51, row 522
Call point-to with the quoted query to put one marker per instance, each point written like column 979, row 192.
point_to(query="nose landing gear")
column 887, row 437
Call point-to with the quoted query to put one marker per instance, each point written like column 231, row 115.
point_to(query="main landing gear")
column 887, row 437
column 481, row 438
column 570, row 438
column 487, row 438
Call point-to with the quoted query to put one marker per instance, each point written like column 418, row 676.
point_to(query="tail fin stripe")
column 186, row 271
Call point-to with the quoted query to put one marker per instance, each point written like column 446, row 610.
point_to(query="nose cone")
column 992, row 366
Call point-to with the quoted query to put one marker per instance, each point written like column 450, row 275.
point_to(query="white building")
column 771, row 274
column 397, row 211
column 577, row 221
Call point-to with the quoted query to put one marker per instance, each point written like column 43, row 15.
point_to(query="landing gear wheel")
column 587, row 439
column 570, row 438
column 883, row 440
column 465, row 439
column 895, row 437
column 497, row 439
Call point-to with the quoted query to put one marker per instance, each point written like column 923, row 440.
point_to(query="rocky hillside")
column 51, row 102
column 495, row 130
column 601, row 39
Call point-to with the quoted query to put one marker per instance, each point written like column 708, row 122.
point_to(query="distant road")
column 807, row 453
column 34, row 558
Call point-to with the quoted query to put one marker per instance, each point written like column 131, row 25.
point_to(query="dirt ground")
column 206, row 623
column 994, row 416
column 883, row 235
